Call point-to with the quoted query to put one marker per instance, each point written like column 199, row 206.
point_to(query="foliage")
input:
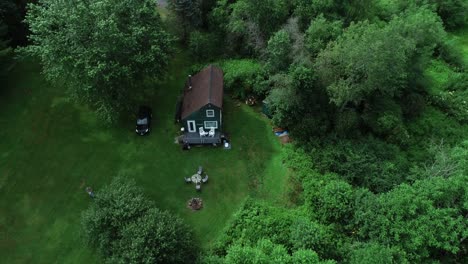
column 203, row 46
column 452, row 12
column 367, row 162
column 251, row 21
column 332, row 203
column 188, row 12
column 424, row 219
column 256, row 220
column 264, row 251
column 353, row 70
column 100, row 50
column 341, row 9
column 307, row 234
column 364, row 61
column 126, row 228
column 453, row 97
column 320, row 32
column 240, row 76
column 373, row 253
column 278, row 51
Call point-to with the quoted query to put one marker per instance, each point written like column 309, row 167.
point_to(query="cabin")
column 200, row 110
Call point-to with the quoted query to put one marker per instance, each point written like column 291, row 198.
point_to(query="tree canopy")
column 101, row 50
column 125, row 227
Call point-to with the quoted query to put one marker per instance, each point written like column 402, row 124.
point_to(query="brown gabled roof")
column 207, row 88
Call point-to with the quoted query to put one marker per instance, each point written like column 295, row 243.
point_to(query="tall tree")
column 364, row 61
column 126, row 228
column 426, row 219
column 188, row 12
column 100, row 49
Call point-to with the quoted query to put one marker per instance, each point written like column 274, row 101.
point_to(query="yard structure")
column 200, row 112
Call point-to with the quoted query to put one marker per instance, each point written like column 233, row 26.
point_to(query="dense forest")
column 374, row 94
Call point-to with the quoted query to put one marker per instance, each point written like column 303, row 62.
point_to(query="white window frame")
column 209, row 127
column 189, row 123
column 211, row 113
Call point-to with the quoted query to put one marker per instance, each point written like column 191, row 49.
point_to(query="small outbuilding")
column 200, row 112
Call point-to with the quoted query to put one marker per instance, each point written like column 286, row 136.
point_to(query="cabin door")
column 191, row 126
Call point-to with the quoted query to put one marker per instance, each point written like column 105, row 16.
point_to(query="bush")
column 373, row 253
column 240, row 76
column 126, row 228
column 367, row 162
column 453, row 99
column 333, row 203
column 256, row 220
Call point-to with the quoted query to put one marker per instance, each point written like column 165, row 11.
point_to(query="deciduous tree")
column 125, row 227
column 100, row 49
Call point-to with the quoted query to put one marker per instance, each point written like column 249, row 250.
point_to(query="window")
column 211, row 124
column 210, row 113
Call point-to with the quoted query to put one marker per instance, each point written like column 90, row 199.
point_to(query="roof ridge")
column 211, row 82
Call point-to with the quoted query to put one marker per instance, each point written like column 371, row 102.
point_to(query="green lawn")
column 50, row 149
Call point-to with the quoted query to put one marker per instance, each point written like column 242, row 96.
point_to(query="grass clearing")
column 51, row 149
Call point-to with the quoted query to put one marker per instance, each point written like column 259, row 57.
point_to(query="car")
column 143, row 123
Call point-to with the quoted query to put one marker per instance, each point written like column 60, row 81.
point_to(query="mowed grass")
column 51, row 149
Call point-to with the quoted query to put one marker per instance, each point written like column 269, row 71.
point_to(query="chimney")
column 190, row 82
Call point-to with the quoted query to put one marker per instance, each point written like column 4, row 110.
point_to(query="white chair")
column 198, row 187
column 205, row 179
column 202, row 132
column 211, row 133
column 187, row 180
column 200, row 170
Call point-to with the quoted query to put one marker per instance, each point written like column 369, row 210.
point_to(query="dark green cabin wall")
column 200, row 117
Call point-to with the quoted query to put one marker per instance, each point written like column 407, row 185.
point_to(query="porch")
column 194, row 138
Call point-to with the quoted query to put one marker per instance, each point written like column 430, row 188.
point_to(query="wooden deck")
column 195, row 138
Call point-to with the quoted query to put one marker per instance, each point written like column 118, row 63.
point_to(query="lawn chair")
column 202, row 132
column 205, row 179
column 188, row 180
column 211, row 133
column 200, row 170
column 198, row 187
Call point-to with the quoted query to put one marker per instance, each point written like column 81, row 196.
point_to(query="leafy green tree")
column 320, row 32
column 266, row 252
column 156, row 237
column 188, row 12
column 427, row 219
column 373, row 253
column 256, row 220
column 307, row 234
column 100, row 49
column 256, row 20
column 333, row 202
column 278, row 51
column 362, row 61
column 203, row 46
column 125, row 227
column 354, row 10
column 452, row 12
column 240, row 76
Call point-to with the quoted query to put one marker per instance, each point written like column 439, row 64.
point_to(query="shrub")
column 240, row 76
column 125, row 227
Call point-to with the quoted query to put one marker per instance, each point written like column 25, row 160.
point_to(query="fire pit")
column 195, row 204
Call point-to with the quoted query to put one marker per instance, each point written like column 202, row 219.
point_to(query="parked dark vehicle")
column 143, row 123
